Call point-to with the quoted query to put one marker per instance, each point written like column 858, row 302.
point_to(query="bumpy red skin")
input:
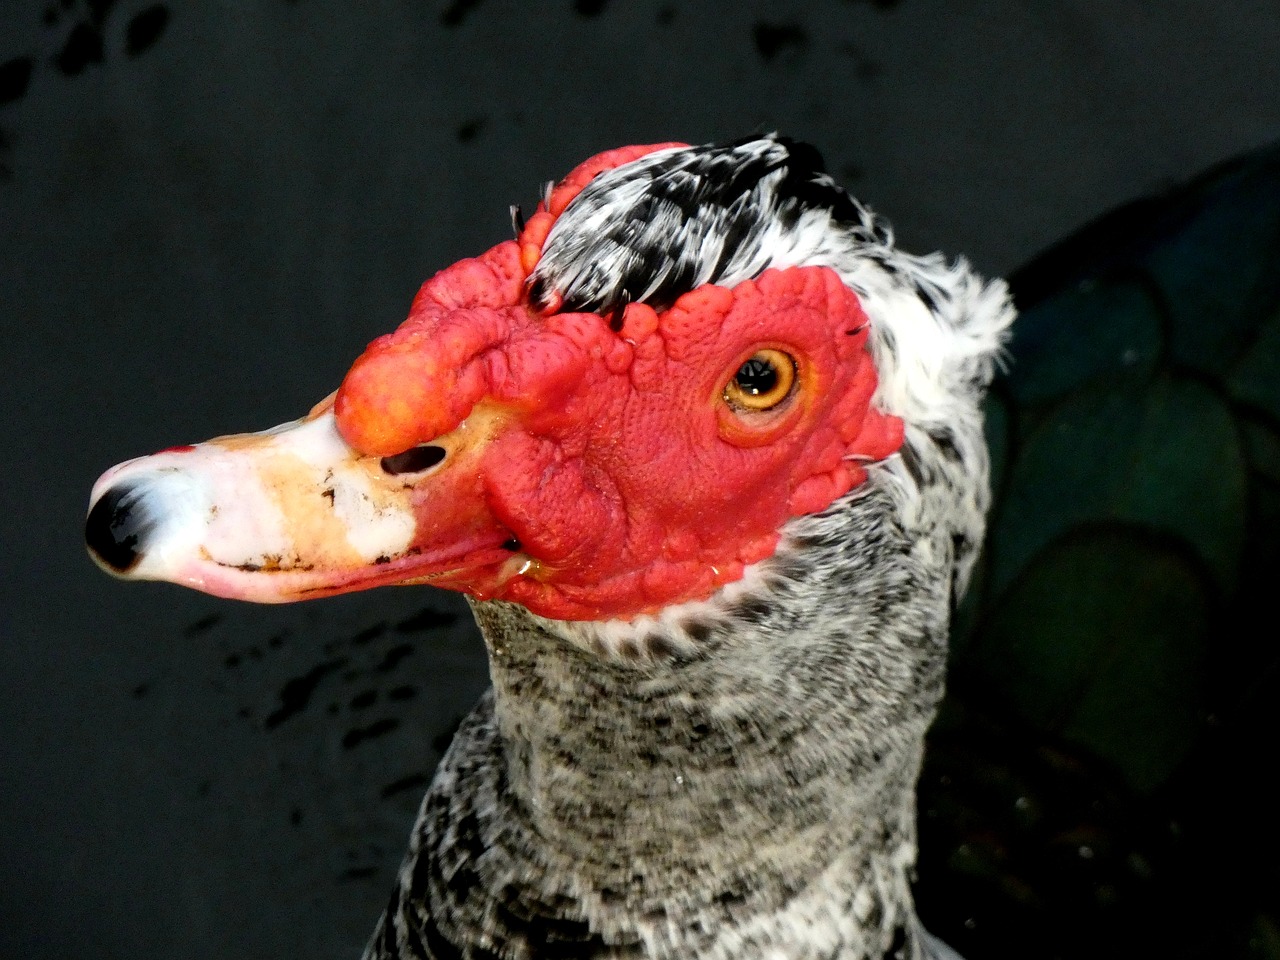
column 616, row 462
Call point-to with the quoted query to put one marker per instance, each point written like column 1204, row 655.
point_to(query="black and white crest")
column 653, row 229
column 658, row 227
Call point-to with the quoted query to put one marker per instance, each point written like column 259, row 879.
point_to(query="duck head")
column 616, row 412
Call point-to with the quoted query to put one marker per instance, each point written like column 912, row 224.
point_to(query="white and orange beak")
column 295, row 512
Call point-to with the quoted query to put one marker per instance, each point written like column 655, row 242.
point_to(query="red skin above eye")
column 618, row 465
column 613, row 458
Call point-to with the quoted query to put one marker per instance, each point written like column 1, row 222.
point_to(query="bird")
column 704, row 449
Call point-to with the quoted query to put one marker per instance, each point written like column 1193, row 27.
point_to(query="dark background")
column 208, row 208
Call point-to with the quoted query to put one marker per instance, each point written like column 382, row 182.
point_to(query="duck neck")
column 767, row 774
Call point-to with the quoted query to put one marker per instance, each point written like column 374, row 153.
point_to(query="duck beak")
column 295, row 512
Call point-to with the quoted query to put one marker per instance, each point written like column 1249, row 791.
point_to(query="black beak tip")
column 116, row 528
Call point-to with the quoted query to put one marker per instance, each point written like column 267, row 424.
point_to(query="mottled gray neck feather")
column 752, row 799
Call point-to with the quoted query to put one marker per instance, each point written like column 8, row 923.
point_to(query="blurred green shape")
column 1164, row 454
column 1088, row 330
column 1265, row 940
column 1220, row 272
column 1102, row 640
column 1262, row 446
column 1203, row 256
column 1254, row 378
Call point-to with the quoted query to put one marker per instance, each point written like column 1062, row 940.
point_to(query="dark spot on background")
column 773, row 38
column 394, row 656
column 145, row 29
column 204, row 788
column 666, row 16
column 865, row 67
column 401, row 693
column 140, row 690
column 468, row 131
column 357, row 735
column 83, row 47
column 851, row 171
column 369, row 633
column 358, row 873
column 232, row 661
column 457, row 11
column 15, row 77
column 201, row 625
column 296, row 693
column 413, row 781
column 880, row 4
column 428, row 618
column 365, row 698
column 98, row 10
column 589, row 8
column 295, row 817
column 50, row 16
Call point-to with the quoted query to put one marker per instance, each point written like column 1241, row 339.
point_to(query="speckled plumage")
column 735, row 777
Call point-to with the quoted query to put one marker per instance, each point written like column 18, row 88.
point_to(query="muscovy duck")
column 706, row 451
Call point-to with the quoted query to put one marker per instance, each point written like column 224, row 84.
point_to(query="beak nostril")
column 413, row 460
column 116, row 529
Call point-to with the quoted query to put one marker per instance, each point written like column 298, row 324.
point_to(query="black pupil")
column 413, row 460
column 756, row 376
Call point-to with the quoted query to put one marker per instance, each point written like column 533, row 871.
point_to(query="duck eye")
column 762, row 382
